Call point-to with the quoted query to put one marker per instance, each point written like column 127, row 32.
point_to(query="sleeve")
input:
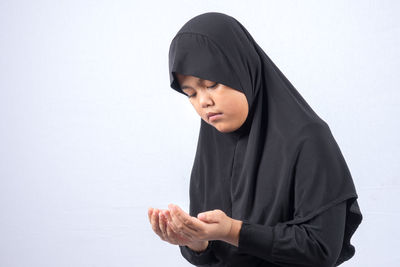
column 316, row 242
column 202, row 258
column 325, row 209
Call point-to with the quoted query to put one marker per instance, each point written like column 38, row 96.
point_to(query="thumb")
column 208, row 216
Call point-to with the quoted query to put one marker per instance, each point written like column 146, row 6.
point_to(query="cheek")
column 233, row 107
column 228, row 106
column 198, row 109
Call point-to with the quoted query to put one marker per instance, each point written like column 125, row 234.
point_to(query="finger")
column 178, row 221
column 177, row 237
column 170, row 222
column 190, row 222
column 149, row 213
column 177, row 226
column 172, row 229
column 171, row 236
column 153, row 220
column 213, row 216
column 155, row 223
column 162, row 224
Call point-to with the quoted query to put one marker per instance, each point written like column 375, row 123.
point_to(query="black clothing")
column 281, row 173
column 276, row 244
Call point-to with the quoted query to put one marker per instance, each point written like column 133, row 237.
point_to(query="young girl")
column 269, row 185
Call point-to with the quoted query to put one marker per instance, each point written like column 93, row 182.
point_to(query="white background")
column 91, row 134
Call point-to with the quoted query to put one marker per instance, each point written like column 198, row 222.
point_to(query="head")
column 208, row 96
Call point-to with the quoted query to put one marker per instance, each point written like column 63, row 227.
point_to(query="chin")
column 225, row 129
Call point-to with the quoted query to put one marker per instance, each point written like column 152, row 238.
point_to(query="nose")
column 205, row 99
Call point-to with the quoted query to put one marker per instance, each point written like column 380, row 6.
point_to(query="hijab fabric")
column 283, row 164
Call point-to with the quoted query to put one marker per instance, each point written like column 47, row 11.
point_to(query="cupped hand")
column 210, row 225
column 161, row 226
column 177, row 227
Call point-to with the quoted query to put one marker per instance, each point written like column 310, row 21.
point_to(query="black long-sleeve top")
column 314, row 243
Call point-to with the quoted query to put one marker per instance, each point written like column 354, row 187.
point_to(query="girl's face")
column 211, row 97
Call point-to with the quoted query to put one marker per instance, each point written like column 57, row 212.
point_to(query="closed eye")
column 213, row 86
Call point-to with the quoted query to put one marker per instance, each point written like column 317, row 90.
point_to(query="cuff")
column 256, row 239
column 198, row 258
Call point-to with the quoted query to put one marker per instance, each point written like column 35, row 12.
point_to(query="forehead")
column 190, row 79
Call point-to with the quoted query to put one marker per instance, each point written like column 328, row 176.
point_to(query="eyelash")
column 190, row 96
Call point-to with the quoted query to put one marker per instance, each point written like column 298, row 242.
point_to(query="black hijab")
column 283, row 164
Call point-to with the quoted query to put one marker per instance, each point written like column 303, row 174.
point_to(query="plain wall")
column 91, row 134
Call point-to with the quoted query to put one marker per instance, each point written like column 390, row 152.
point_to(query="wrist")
column 233, row 235
column 198, row 246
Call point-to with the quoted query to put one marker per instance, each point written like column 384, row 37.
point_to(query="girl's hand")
column 159, row 223
column 210, row 225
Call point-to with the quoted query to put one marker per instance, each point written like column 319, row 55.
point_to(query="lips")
column 212, row 114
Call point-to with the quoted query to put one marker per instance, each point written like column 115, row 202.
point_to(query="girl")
column 269, row 185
